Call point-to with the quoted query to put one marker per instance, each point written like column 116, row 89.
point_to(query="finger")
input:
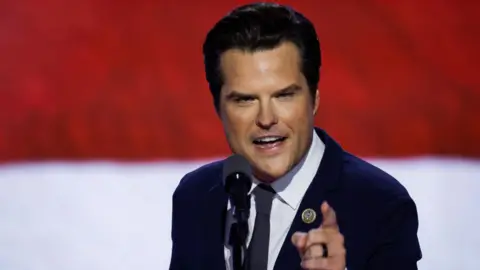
column 316, row 263
column 315, row 237
column 315, row 251
column 336, row 246
column 330, row 237
column 333, row 249
column 329, row 216
column 299, row 240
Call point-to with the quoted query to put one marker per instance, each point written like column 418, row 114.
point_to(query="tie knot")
column 266, row 187
column 263, row 195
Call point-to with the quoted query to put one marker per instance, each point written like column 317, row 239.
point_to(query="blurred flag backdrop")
column 104, row 107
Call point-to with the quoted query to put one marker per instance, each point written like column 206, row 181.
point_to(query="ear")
column 316, row 102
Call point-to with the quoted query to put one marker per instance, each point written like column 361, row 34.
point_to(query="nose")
column 266, row 117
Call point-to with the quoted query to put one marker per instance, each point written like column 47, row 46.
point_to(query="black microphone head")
column 236, row 168
column 236, row 164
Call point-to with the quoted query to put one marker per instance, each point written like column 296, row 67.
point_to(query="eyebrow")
column 236, row 94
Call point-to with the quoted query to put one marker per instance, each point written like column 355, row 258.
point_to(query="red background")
column 124, row 79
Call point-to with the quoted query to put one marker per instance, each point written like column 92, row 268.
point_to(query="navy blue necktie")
column 257, row 252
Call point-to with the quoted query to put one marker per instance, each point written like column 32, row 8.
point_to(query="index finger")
column 329, row 216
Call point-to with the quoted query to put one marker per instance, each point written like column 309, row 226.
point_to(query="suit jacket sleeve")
column 397, row 246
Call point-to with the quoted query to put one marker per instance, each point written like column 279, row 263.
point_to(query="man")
column 327, row 208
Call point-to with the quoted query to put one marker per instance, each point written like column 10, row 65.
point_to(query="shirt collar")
column 292, row 186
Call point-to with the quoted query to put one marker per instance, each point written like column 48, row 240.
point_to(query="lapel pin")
column 309, row 215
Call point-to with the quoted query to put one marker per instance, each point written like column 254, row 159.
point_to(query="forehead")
column 263, row 69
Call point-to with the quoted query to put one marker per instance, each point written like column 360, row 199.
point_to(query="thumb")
column 329, row 216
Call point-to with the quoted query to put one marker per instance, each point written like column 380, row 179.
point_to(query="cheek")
column 296, row 114
column 236, row 123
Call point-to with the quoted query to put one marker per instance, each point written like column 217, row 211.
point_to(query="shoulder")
column 371, row 191
column 369, row 180
column 357, row 178
column 367, row 189
column 190, row 194
column 200, row 180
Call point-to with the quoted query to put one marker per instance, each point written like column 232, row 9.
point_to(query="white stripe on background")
column 101, row 216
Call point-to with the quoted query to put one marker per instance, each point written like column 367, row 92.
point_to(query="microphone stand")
column 238, row 236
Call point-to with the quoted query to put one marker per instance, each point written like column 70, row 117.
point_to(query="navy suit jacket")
column 375, row 213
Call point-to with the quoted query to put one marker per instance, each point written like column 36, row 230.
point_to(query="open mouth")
column 269, row 141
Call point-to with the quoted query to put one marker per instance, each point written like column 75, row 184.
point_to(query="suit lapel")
column 325, row 181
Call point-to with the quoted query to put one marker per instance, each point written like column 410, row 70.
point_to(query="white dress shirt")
column 290, row 190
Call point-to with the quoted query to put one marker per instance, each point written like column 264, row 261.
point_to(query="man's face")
column 266, row 108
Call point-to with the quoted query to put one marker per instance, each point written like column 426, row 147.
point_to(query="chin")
column 269, row 168
column 269, row 175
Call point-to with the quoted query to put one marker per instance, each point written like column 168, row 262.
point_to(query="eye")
column 243, row 99
column 286, row 95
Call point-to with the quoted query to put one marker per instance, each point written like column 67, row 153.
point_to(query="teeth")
column 268, row 139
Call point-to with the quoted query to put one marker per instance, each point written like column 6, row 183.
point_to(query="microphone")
column 237, row 182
